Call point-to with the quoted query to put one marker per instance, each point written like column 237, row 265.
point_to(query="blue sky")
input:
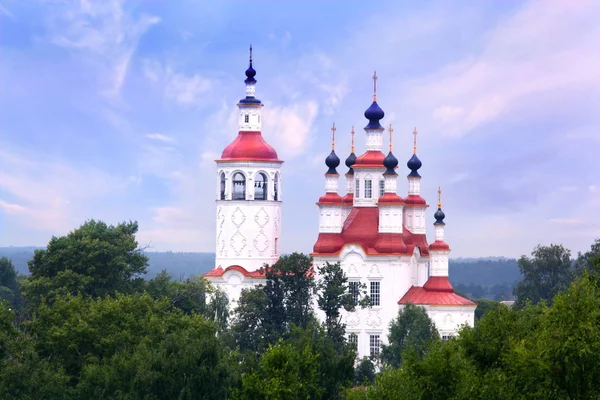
column 115, row 110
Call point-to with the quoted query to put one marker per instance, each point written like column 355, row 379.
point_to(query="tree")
column 412, row 330
column 95, row 260
column 284, row 372
column 333, row 295
column 9, row 288
column 546, row 273
column 585, row 261
column 484, row 306
column 289, row 282
column 132, row 346
column 250, row 327
column 364, row 372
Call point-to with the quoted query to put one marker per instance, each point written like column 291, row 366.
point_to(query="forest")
column 87, row 322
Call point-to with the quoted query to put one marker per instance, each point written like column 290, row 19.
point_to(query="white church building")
column 377, row 236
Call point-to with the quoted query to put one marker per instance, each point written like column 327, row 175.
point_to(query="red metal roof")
column 218, row 272
column 439, row 245
column 389, row 199
column 330, row 199
column 414, row 200
column 348, row 199
column 249, row 146
column 371, row 159
column 437, row 291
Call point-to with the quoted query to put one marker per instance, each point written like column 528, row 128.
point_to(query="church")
column 378, row 236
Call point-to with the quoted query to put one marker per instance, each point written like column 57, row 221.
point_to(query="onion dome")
column 414, row 164
column 439, row 214
column 350, row 161
column 250, row 82
column 332, row 161
column 390, row 162
column 439, row 217
column 250, row 72
column 374, row 113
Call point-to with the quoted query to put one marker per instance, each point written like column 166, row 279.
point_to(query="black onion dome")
column 390, row 162
column 414, row 164
column 439, row 217
column 250, row 74
column 374, row 113
column 350, row 161
column 332, row 161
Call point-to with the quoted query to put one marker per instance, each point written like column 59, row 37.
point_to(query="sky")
column 116, row 110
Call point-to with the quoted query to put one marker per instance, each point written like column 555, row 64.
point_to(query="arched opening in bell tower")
column 222, row 188
column 239, row 186
column 276, row 187
column 260, row 187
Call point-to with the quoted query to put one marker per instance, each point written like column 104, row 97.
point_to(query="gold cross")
column 352, row 151
column 415, row 141
column 374, row 85
column 333, row 129
column 439, row 197
column 391, row 130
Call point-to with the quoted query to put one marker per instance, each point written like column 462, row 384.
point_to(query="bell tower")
column 249, row 192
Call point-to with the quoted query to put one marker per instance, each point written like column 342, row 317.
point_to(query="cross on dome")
column 333, row 129
column 374, row 85
column 391, row 130
column 415, row 141
column 439, row 197
column 352, row 148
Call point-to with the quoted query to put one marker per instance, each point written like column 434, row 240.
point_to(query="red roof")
column 249, row 146
column 437, row 291
column 439, row 245
column 371, row 159
column 414, row 200
column 389, row 199
column 362, row 228
column 415, row 240
column 330, row 199
column 218, row 272
column 348, row 199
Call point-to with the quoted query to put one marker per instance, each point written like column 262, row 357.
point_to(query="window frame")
column 354, row 288
column 368, row 189
column 381, row 187
column 357, row 188
column 374, row 346
column 375, row 295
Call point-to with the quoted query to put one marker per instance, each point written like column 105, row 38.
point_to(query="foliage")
column 251, row 325
column 546, row 273
column 95, row 260
column 364, row 373
column 9, row 287
column 412, row 330
column 284, row 372
column 484, row 306
column 333, row 296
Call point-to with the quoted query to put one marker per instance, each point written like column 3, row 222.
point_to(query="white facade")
column 391, row 275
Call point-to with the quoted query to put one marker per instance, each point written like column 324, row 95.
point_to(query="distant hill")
column 487, row 271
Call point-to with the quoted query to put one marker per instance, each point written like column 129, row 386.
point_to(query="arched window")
column 381, row 187
column 222, row 196
column 260, row 187
column 276, row 188
column 239, row 187
column 368, row 189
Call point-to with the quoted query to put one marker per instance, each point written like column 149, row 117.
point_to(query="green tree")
column 484, row 306
column 364, row 372
column 333, row 295
column 250, row 326
column 585, row 261
column 9, row 288
column 95, row 260
column 546, row 273
column 286, row 373
column 289, row 282
column 412, row 330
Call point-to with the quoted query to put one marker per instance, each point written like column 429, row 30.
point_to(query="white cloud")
column 186, row 90
column 51, row 195
column 104, row 33
column 528, row 54
column 289, row 129
column 593, row 188
column 160, row 137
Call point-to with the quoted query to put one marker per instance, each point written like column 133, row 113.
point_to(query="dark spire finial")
column 250, row 55
column 333, row 129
